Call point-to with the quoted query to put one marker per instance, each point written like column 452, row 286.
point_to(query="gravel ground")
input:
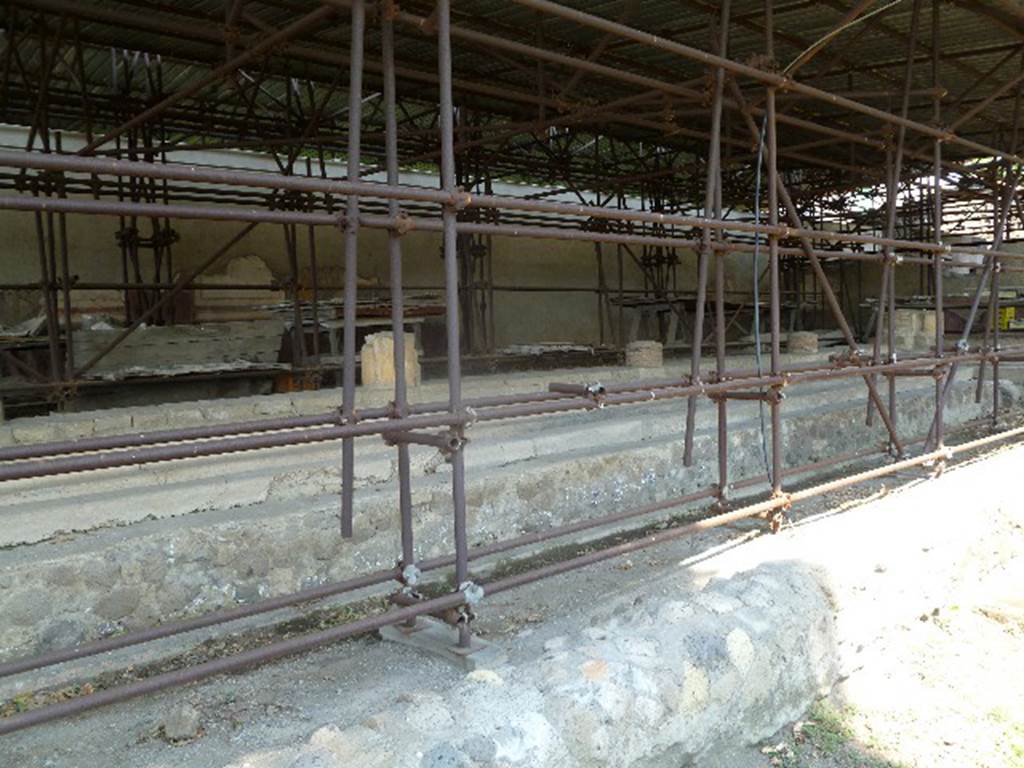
column 936, row 679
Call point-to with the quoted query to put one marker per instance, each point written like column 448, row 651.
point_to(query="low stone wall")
column 665, row 685
column 75, row 587
column 690, row 655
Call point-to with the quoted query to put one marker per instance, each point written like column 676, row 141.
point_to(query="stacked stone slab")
column 183, row 346
column 802, row 342
column 378, row 360
column 914, row 328
column 644, row 354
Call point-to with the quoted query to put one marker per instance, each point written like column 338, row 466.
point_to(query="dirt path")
column 939, row 681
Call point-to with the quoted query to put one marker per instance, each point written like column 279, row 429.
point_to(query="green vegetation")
column 825, row 740
column 1012, row 738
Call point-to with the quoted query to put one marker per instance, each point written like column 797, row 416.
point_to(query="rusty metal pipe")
column 198, row 174
column 387, row 32
column 485, row 409
column 348, row 374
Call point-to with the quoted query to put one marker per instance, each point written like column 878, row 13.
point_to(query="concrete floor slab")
column 430, row 635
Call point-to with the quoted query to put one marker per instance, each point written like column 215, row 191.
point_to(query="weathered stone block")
column 802, row 342
column 377, row 359
column 182, row 723
column 644, row 354
column 38, row 430
column 118, row 603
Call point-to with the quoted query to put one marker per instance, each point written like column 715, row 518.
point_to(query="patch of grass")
column 827, row 728
column 825, row 738
column 1013, row 736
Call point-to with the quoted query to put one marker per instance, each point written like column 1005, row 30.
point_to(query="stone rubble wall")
column 663, row 684
column 75, row 587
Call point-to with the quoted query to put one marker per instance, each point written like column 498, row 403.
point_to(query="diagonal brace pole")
column 826, row 286
column 180, row 285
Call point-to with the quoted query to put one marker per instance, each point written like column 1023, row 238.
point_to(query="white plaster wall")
column 520, row 317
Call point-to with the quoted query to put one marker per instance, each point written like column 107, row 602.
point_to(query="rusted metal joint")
column 456, row 442
column 403, row 224
column 452, row 616
column 389, row 10
column 65, row 393
column 460, row 199
column 772, row 395
column 166, row 236
column 473, row 592
column 343, row 223
column 406, row 596
column 595, row 391
column 848, row 358
column 410, row 575
column 127, row 236
column 429, row 25
column 778, row 516
column 722, row 491
column 447, row 443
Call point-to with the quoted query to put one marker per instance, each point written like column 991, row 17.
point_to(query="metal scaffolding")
column 662, row 142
